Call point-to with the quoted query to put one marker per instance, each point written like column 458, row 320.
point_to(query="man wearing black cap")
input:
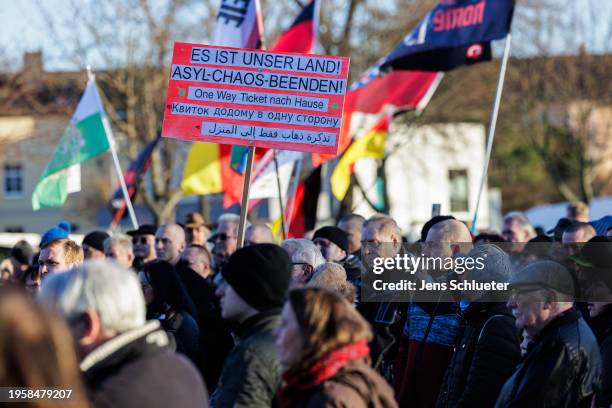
column 93, row 245
column 562, row 365
column 333, row 244
column 256, row 282
column 143, row 245
column 16, row 265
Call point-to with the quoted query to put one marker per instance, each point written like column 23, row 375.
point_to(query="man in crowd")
column 431, row 327
column 143, row 245
column 256, row 282
column 517, row 230
column 125, row 360
column 562, row 364
column 305, row 258
column 224, row 239
column 578, row 211
column 487, row 348
column 381, row 238
column 352, row 224
column 198, row 258
column 59, row 255
column 196, row 231
column 578, row 232
column 18, row 262
column 93, row 245
column 169, row 242
column 258, row 234
column 334, row 246
column 119, row 249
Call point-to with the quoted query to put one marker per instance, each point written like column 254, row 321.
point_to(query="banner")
column 255, row 98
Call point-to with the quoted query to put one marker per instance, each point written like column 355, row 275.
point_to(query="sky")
column 22, row 28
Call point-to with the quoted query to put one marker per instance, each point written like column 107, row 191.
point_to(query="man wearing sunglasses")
column 224, row 239
column 562, row 365
column 143, row 244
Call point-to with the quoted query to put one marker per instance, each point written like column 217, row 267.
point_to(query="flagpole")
column 111, row 141
column 492, row 125
column 245, row 196
column 280, row 195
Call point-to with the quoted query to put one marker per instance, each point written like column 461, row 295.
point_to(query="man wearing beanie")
column 333, row 244
column 93, row 245
column 256, row 280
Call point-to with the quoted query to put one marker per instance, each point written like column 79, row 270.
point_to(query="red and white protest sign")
column 255, row 98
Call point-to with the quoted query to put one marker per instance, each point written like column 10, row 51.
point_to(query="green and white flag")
column 83, row 139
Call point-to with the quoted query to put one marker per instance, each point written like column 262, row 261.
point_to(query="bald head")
column 169, row 242
column 258, row 234
column 447, row 238
column 450, row 231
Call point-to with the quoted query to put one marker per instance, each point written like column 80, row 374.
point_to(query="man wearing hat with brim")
column 196, row 231
column 256, row 281
column 563, row 364
column 143, row 243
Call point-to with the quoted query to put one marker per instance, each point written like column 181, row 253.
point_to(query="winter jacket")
column 483, row 359
column 252, row 370
column 602, row 329
column 356, row 385
column 561, row 368
column 138, row 369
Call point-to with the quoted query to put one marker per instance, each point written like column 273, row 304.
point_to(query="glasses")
column 139, row 240
column 221, row 237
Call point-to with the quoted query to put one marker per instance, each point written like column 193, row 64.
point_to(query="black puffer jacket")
column 487, row 351
column 561, row 368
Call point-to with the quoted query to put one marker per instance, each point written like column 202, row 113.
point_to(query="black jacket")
column 252, row 371
column 561, row 368
column 215, row 338
column 354, row 271
column 139, row 369
column 602, row 328
column 484, row 357
column 183, row 327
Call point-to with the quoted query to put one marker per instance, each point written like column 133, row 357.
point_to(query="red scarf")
column 319, row 372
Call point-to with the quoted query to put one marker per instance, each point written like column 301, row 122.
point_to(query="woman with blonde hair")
column 36, row 351
column 323, row 347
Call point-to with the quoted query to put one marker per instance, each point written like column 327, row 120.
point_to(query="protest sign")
column 255, row 98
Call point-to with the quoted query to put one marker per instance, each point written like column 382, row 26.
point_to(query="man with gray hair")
column 562, row 365
column 305, row 258
column 224, row 239
column 517, row 230
column 119, row 249
column 126, row 361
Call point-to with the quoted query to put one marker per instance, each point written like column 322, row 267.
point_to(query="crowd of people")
column 179, row 315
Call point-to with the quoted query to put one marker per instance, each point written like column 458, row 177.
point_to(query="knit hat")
column 62, row 230
column 334, row 234
column 96, row 240
column 22, row 252
column 496, row 264
column 260, row 274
